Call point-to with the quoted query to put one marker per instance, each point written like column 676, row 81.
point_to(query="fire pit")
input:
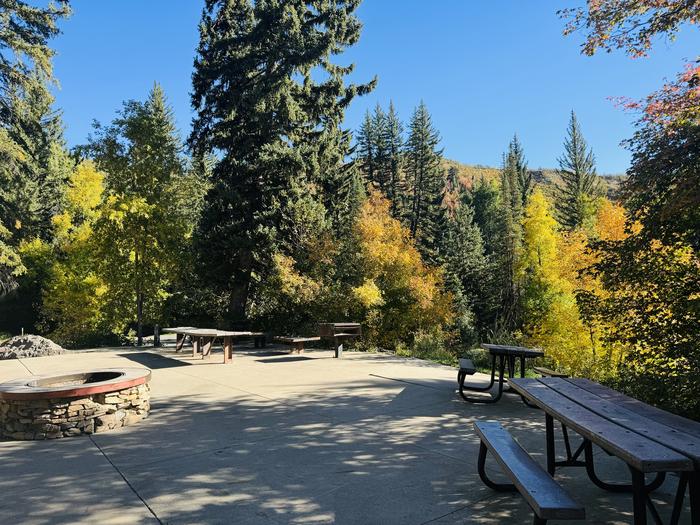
column 49, row 407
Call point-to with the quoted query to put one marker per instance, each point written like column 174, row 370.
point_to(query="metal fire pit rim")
column 27, row 388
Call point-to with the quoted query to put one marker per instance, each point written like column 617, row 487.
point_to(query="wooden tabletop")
column 211, row 332
column 645, row 437
column 518, row 351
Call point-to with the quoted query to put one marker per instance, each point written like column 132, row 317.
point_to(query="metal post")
column 639, row 497
column 549, row 429
column 156, row 336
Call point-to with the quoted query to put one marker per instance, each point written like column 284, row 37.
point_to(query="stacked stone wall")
column 64, row 417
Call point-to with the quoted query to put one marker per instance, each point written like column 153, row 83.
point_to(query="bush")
column 430, row 346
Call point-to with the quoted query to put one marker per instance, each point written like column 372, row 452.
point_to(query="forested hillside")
column 548, row 177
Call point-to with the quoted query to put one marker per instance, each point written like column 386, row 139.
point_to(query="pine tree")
column 145, row 220
column 382, row 175
column 465, row 267
column 367, row 147
column 580, row 184
column 30, row 142
column 425, row 180
column 516, row 161
column 394, row 141
column 272, row 124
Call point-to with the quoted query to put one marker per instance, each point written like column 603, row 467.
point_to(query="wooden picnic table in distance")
column 179, row 334
column 338, row 333
column 203, row 339
column 507, row 357
column 647, row 439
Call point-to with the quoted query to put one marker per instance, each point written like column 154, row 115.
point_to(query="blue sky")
column 485, row 68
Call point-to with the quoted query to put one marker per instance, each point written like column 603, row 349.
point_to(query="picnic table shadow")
column 251, row 459
column 154, row 361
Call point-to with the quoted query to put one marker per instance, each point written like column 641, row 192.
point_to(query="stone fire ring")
column 70, row 404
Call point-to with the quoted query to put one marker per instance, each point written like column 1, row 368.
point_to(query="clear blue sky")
column 485, row 68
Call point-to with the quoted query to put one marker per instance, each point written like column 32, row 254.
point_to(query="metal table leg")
column 461, row 377
column 493, row 399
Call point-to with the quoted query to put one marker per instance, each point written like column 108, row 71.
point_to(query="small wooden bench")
column 546, row 372
column 297, row 343
column 548, row 499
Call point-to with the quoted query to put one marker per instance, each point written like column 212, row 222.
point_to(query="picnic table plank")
column 512, row 350
column 655, row 414
column 640, row 452
column 682, row 442
column 545, row 496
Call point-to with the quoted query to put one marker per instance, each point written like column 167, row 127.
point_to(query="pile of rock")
column 29, row 346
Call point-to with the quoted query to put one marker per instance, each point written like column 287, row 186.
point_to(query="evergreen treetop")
column 580, row 183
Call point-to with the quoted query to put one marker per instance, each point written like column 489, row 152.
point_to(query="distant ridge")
column 467, row 174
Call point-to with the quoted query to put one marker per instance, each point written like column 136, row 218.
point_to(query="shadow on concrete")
column 364, row 451
column 153, row 361
column 288, row 359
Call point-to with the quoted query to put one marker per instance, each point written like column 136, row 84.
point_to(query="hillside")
column 546, row 177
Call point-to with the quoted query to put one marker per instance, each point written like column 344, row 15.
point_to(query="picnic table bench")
column 547, row 372
column 297, row 343
column 547, row 499
column 647, row 439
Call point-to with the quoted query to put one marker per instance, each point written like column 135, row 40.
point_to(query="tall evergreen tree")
column 516, row 161
column 273, row 125
column 382, row 175
column 30, row 134
column 394, row 142
column 367, row 147
column 580, row 184
column 425, row 180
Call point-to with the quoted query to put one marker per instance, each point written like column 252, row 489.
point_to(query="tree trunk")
column 240, row 289
column 139, row 318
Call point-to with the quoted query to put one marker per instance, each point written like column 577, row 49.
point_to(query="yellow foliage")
column 540, row 238
column 551, row 264
column 610, row 221
column 400, row 295
column 368, row 294
column 299, row 288
column 85, row 189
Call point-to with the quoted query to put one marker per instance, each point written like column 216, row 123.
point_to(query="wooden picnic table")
column 647, row 439
column 507, row 357
column 203, row 339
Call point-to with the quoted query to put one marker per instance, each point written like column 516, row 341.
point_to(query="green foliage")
column 425, row 181
column 663, row 188
column 141, row 234
column 465, row 266
column 11, row 265
column 380, row 155
column 271, row 127
column 429, row 345
column 651, row 302
column 32, row 163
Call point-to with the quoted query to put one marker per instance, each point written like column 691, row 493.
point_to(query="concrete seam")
column 128, row 484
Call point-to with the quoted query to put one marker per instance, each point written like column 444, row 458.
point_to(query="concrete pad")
column 270, row 439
